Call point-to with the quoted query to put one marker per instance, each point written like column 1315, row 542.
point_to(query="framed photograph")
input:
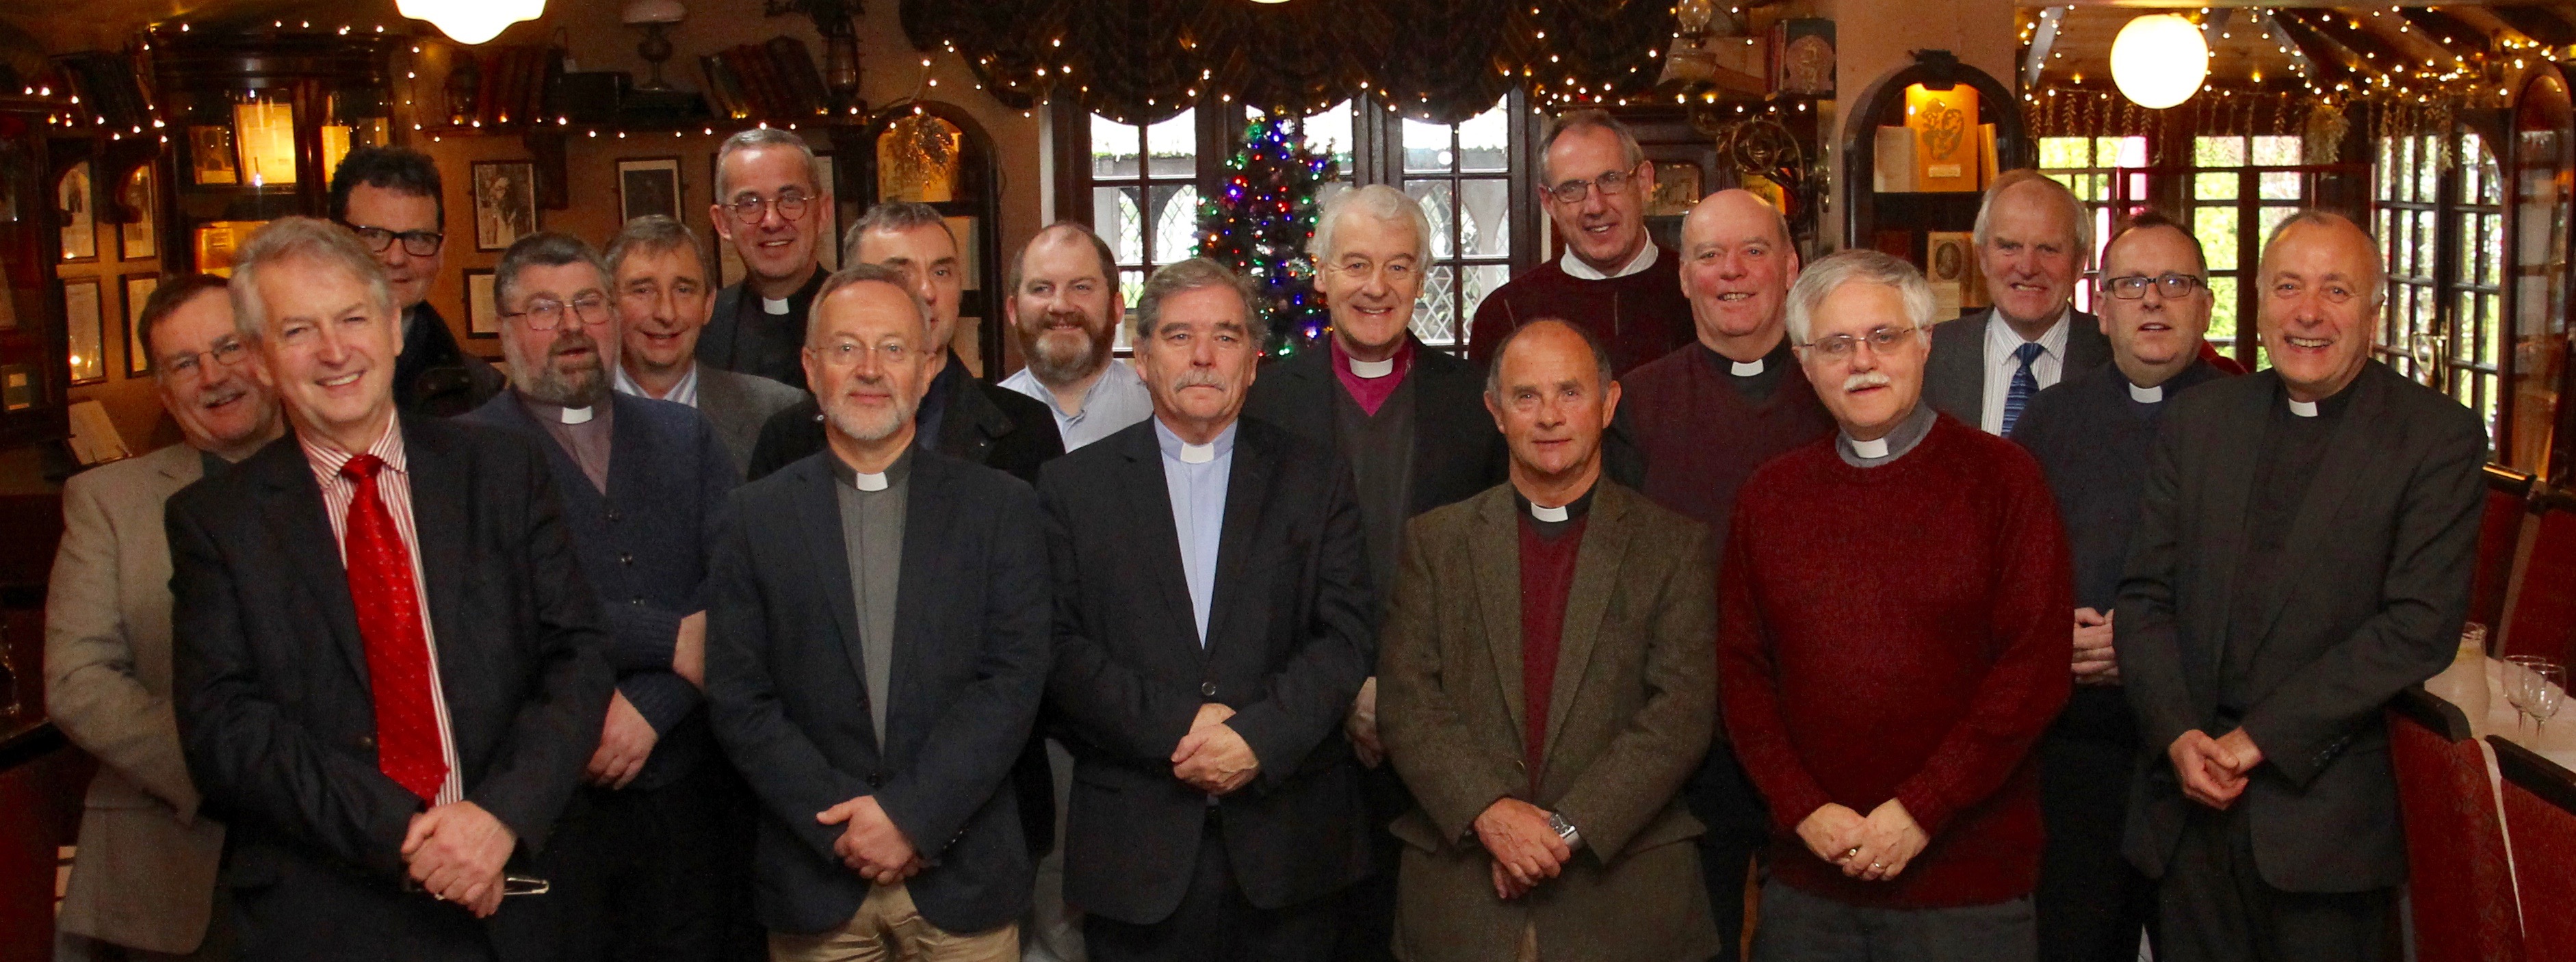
column 505, row 202
column 647, row 187
column 88, row 330
column 135, row 226
column 210, row 155
column 482, row 310
column 1676, row 188
column 138, row 289
column 77, row 202
column 827, row 230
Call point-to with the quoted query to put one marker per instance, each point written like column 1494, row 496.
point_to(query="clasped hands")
column 870, row 844
column 1213, row 758
column 1871, row 849
column 2096, row 662
column 1526, row 849
column 2213, row 770
column 456, row 853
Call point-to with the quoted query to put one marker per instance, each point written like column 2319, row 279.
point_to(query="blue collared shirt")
column 1198, row 510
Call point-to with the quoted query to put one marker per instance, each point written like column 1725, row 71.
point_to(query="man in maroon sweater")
column 1893, row 642
column 1613, row 280
column 1704, row 417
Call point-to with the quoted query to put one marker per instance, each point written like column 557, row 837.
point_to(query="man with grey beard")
column 653, row 855
column 1064, row 310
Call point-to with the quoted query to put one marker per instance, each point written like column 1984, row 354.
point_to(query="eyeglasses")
column 1572, row 191
column 847, row 353
column 2333, row 291
column 1362, row 270
column 546, row 315
column 748, row 211
column 419, row 243
column 2134, row 286
column 228, row 353
column 1880, row 341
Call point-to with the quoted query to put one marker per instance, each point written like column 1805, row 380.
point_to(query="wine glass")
column 2520, row 677
column 2548, row 691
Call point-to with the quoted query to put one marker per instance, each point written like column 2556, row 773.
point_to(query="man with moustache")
column 1549, row 686
column 1065, row 311
column 392, row 198
column 878, row 648
column 663, row 301
column 143, row 881
column 1613, row 280
column 1704, row 417
column 960, row 416
column 1212, row 626
column 643, row 485
column 770, row 198
column 2091, row 434
column 2303, row 552
column 388, row 676
column 1893, row 643
column 2033, row 242
column 1408, row 420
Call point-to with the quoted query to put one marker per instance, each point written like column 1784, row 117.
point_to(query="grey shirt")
column 1908, row 433
column 872, row 534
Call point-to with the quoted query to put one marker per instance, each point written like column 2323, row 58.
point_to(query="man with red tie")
column 388, row 678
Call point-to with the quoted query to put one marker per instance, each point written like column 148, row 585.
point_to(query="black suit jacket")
column 989, row 425
column 1456, row 451
column 277, row 720
column 2383, row 547
column 1289, row 641
column 741, row 337
column 433, row 377
column 971, row 650
column 1954, row 378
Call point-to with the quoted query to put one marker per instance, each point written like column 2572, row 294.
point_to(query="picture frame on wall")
column 87, row 330
column 138, row 289
column 211, row 157
column 505, row 202
column 76, row 202
column 482, row 310
column 827, row 236
column 138, row 236
column 648, row 186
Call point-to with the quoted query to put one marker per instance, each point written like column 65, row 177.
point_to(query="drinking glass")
column 2520, row 678
column 2548, row 691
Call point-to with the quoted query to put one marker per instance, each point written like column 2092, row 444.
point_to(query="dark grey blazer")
column 786, row 686
column 738, row 404
column 2385, row 540
column 1456, row 451
column 1954, row 379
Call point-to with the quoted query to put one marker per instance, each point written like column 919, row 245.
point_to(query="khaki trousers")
column 887, row 928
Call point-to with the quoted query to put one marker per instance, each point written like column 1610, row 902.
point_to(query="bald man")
column 1704, row 417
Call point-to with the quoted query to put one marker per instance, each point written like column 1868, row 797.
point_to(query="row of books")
column 771, row 81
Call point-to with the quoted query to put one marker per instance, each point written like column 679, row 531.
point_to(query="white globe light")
column 471, row 22
column 2159, row 60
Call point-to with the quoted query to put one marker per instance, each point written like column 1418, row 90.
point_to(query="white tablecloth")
column 2490, row 714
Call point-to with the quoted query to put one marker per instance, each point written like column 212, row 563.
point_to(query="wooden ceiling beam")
column 2043, row 40
column 2450, row 33
column 2539, row 23
column 2335, row 26
column 2318, row 58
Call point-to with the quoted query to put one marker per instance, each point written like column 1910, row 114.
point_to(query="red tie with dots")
column 388, row 602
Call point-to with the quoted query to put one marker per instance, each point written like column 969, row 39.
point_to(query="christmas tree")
column 1259, row 223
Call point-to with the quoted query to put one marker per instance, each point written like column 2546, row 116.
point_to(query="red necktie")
column 388, row 602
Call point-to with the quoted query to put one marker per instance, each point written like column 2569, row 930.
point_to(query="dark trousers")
column 2092, row 903
column 1722, row 797
column 1214, row 922
column 2216, row 907
column 658, row 873
column 1800, row 927
column 1368, row 908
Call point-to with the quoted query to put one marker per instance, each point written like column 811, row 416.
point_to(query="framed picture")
column 77, row 202
column 482, row 310
column 135, row 210
column 647, row 187
column 210, row 155
column 1676, row 188
column 138, row 289
column 827, row 229
column 88, row 330
column 505, row 202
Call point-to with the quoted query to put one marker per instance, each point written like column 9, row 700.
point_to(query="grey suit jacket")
column 145, row 873
column 1629, row 718
column 1954, row 379
column 738, row 404
column 2384, row 544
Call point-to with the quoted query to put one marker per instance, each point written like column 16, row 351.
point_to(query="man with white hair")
column 1613, row 280
column 1409, row 420
column 2034, row 240
column 1893, row 641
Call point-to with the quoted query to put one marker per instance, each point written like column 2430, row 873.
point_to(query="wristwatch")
column 1565, row 830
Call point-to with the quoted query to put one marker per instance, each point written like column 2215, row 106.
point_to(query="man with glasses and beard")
column 1065, row 310
column 769, row 190
column 652, row 857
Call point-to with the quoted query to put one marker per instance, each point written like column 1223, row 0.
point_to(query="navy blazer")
column 790, row 701
column 643, row 545
column 277, row 720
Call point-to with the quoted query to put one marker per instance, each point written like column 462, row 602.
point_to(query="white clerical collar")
column 868, row 482
column 1575, row 266
column 1197, row 453
column 1870, row 450
column 1372, row 370
column 2147, row 395
column 1752, row 368
column 583, row 415
column 773, row 305
column 1551, row 515
column 2305, row 409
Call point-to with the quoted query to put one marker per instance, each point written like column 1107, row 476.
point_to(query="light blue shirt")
column 1115, row 401
column 1198, row 509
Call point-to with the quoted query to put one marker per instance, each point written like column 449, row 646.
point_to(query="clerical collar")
column 1752, row 368
column 1186, row 453
column 1552, row 521
column 544, row 411
column 878, row 481
column 1372, row 370
column 773, row 305
column 1575, row 266
column 2148, row 395
column 1887, row 447
column 2305, row 409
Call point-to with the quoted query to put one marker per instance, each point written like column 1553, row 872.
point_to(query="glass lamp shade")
column 471, row 22
column 2159, row 60
column 640, row 12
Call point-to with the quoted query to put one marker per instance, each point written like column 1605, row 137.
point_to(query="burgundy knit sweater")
column 1899, row 632
column 1702, row 437
column 1547, row 581
column 1640, row 317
